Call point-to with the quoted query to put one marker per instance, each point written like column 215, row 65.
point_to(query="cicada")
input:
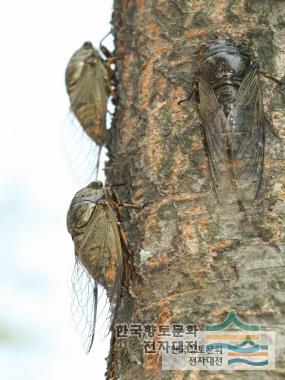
column 89, row 79
column 93, row 220
column 230, row 104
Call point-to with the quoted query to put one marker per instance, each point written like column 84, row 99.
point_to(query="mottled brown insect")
column 230, row 104
column 88, row 80
column 93, row 220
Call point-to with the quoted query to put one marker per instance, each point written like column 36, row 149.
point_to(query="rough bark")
column 193, row 260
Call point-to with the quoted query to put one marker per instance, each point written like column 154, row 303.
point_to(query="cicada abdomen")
column 92, row 221
column 232, row 116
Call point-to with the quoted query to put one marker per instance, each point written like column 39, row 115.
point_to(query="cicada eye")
column 96, row 185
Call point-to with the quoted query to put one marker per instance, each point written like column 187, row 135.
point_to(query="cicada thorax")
column 231, row 112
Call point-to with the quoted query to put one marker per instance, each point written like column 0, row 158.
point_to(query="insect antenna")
column 104, row 50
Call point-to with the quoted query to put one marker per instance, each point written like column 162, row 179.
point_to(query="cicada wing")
column 248, row 122
column 216, row 139
column 84, row 280
column 94, row 236
column 89, row 100
column 102, row 238
column 83, row 154
column 84, row 304
column 91, row 85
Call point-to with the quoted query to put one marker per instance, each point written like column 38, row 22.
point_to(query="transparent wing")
column 249, row 138
column 216, row 138
column 235, row 145
column 83, row 154
column 84, row 304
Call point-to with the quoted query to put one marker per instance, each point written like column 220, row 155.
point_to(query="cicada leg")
column 194, row 89
column 131, row 206
column 110, row 57
column 109, row 77
column 111, row 91
column 106, row 52
column 270, row 77
column 119, row 206
column 124, row 239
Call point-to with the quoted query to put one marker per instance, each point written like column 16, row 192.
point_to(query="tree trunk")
column 193, row 260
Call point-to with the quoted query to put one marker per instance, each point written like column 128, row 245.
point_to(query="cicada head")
column 226, row 44
column 96, row 185
column 224, row 59
column 87, row 54
column 91, row 193
column 82, row 206
column 87, row 45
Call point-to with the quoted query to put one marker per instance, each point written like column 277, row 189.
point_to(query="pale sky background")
column 37, row 338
